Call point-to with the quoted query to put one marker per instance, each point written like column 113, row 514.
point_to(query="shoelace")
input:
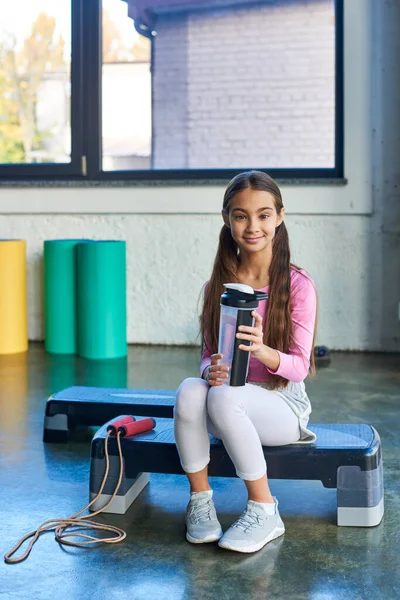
column 200, row 512
column 248, row 520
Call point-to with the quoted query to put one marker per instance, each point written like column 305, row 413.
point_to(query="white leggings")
column 244, row 418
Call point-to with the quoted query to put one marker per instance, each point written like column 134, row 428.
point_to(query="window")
column 36, row 120
column 171, row 89
column 126, row 92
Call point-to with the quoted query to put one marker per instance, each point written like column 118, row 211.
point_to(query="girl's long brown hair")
column 278, row 325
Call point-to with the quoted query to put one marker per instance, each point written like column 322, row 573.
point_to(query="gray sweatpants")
column 244, row 418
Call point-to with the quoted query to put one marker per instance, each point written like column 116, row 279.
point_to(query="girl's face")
column 253, row 219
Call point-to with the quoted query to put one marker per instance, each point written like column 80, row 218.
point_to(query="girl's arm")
column 206, row 354
column 205, row 361
column 295, row 364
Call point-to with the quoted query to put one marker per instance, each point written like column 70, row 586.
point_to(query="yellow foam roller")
column 14, row 397
column 13, row 301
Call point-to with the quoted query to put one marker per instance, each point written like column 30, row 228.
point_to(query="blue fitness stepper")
column 345, row 456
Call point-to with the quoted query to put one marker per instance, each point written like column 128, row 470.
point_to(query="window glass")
column 231, row 84
column 35, row 88
column 126, row 91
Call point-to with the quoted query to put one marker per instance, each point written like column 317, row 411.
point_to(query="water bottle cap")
column 240, row 287
column 241, row 296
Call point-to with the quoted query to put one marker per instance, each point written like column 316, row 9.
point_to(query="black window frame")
column 86, row 118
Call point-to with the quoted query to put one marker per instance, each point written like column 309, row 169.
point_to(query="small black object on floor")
column 322, row 356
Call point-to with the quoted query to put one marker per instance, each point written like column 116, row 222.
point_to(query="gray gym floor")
column 315, row 559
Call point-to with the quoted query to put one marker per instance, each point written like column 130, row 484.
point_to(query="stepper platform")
column 344, row 456
column 87, row 406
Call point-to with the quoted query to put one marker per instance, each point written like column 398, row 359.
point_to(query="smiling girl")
column 272, row 408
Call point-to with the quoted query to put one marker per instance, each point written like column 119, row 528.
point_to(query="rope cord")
column 60, row 526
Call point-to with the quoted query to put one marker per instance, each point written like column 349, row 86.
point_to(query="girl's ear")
column 281, row 217
column 225, row 218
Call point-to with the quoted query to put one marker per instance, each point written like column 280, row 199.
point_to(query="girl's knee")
column 223, row 402
column 191, row 399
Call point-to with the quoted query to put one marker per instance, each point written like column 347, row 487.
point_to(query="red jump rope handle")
column 133, row 428
column 119, row 422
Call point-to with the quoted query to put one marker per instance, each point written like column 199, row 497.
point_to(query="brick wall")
column 245, row 87
column 170, row 94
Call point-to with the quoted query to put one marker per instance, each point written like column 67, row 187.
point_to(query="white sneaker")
column 202, row 525
column 253, row 529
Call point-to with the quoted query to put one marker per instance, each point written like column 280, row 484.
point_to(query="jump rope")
column 120, row 427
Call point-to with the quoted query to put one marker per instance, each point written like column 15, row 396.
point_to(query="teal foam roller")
column 60, row 319
column 101, row 299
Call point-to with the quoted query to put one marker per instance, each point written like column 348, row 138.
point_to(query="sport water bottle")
column 237, row 303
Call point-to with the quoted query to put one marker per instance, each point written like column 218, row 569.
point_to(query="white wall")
column 347, row 237
column 171, row 257
column 384, row 239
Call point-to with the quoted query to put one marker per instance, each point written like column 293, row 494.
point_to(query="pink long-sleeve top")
column 295, row 364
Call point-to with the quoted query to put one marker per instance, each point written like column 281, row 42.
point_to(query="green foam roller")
column 101, row 299
column 60, row 296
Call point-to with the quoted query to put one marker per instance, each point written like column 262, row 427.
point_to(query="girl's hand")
column 216, row 372
column 253, row 334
